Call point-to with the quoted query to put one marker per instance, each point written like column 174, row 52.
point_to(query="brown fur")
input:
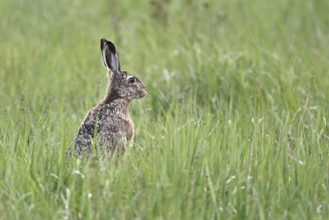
column 109, row 123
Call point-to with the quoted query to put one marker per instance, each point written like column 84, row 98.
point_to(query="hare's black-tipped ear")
column 110, row 56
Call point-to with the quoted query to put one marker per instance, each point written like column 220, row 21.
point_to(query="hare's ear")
column 110, row 56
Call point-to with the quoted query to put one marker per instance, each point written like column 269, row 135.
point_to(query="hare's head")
column 123, row 84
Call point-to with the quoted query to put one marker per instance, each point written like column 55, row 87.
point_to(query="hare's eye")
column 131, row 80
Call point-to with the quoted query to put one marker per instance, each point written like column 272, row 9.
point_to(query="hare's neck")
column 121, row 104
column 110, row 93
column 113, row 99
column 116, row 101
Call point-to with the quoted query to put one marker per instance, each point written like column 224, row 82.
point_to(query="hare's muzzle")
column 142, row 92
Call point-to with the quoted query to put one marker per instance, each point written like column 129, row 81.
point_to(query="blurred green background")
column 234, row 124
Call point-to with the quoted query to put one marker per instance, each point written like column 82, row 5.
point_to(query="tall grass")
column 234, row 124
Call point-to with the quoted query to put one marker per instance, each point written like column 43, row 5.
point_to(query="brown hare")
column 108, row 124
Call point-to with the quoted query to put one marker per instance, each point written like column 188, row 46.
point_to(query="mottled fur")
column 108, row 124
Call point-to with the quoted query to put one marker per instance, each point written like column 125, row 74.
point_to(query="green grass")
column 234, row 125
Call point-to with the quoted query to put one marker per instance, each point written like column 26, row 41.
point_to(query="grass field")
column 234, row 125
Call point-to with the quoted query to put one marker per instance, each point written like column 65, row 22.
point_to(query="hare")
column 109, row 123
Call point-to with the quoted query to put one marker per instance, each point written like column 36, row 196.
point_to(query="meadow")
column 234, row 125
